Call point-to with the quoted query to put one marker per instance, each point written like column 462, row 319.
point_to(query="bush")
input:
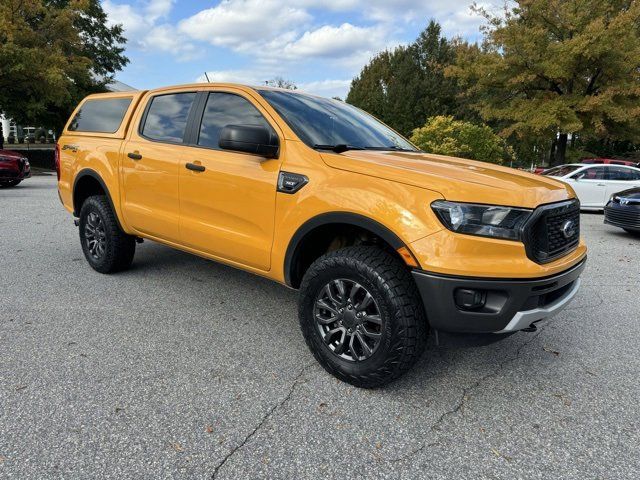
column 41, row 158
column 446, row 136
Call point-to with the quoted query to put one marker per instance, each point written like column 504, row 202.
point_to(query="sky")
column 318, row 44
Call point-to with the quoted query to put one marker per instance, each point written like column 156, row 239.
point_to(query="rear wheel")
column 9, row 183
column 361, row 316
column 106, row 247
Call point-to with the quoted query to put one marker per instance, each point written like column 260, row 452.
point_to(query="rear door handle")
column 602, row 184
column 134, row 156
column 195, row 167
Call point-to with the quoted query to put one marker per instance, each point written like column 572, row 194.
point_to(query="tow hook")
column 76, row 221
column 530, row 328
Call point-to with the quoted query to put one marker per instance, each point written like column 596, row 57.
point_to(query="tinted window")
column 102, row 116
column 226, row 109
column 561, row 171
column 620, row 173
column 167, row 117
column 321, row 121
column 593, row 173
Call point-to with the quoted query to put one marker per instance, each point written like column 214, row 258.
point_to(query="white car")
column 594, row 184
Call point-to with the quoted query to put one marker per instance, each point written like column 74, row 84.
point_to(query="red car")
column 13, row 168
column 609, row 161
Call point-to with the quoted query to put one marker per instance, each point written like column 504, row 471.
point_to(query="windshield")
column 561, row 171
column 322, row 123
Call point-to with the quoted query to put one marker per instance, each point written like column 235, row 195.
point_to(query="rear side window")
column 100, row 116
column 227, row 109
column 621, row 173
column 166, row 117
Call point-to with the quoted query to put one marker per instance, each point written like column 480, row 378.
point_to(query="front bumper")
column 505, row 306
column 623, row 216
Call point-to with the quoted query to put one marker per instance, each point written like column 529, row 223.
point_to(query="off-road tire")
column 635, row 233
column 404, row 325
column 9, row 183
column 119, row 248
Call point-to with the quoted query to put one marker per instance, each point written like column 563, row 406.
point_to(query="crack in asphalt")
column 463, row 398
column 467, row 390
column 270, row 412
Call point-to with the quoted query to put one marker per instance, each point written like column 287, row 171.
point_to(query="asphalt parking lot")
column 183, row 368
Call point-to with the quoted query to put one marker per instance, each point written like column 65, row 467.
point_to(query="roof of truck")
column 196, row 85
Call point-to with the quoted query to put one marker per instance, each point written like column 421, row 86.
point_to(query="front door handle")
column 134, row 156
column 195, row 167
column 602, row 184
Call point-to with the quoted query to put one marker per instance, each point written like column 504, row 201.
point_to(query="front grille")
column 628, row 201
column 552, row 231
column 626, row 217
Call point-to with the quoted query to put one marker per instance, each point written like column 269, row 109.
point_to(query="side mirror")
column 250, row 139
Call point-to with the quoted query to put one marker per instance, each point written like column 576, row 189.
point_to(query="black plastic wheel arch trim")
column 346, row 218
column 87, row 172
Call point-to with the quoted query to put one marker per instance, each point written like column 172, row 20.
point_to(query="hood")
column 10, row 154
column 456, row 179
column 632, row 193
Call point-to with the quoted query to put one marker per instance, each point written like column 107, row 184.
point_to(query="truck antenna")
column 207, row 77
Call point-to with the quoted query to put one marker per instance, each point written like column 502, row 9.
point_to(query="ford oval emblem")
column 568, row 229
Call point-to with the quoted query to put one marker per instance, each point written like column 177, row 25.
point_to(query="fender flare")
column 347, row 218
column 88, row 172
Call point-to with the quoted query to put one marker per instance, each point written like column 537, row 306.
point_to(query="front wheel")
column 106, row 247
column 361, row 315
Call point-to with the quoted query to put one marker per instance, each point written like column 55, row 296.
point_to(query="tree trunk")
column 552, row 153
column 561, row 148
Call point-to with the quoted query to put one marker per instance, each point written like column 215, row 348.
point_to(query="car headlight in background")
column 484, row 220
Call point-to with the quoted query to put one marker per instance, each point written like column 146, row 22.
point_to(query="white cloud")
column 166, row 39
column 159, row 8
column 335, row 42
column 134, row 22
column 243, row 24
column 142, row 31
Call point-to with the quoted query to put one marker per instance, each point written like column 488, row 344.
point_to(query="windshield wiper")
column 339, row 148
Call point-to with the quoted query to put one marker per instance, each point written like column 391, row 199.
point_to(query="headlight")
column 484, row 220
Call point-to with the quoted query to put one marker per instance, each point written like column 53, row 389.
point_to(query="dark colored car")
column 14, row 168
column 623, row 210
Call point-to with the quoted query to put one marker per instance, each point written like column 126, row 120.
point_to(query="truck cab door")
column 227, row 198
column 150, row 163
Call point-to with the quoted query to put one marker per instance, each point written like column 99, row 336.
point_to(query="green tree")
column 52, row 54
column 446, row 136
column 404, row 86
column 550, row 68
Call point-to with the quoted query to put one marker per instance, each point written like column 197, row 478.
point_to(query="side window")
column 100, row 116
column 621, row 173
column 166, row 118
column 593, row 173
column 224, row 109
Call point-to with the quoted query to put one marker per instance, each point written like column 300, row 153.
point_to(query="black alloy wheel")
column 348, row 319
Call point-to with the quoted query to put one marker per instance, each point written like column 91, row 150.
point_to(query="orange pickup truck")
column 384, row 242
